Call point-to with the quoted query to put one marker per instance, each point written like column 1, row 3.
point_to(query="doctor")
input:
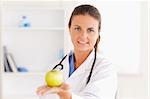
column 87, row 74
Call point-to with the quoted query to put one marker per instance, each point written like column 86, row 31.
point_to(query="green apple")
column 54, row 78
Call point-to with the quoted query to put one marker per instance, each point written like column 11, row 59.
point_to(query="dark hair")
column 87, row 10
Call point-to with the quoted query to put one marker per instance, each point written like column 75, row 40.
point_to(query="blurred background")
column 34, row 34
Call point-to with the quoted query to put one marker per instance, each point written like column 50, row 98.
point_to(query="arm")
column 102, row 85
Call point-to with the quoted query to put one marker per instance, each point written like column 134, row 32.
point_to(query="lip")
column 82, row 42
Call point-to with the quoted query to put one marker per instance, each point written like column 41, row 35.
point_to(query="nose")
column 83, row 34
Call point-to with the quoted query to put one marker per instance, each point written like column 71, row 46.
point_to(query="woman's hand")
column 62, row 91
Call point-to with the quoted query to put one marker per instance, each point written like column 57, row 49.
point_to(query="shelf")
column 34, row 29
column 33, row 9
column 32, row 5
column 23, row 73
column 36, row 44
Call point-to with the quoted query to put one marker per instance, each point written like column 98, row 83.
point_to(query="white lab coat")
column 102, row 84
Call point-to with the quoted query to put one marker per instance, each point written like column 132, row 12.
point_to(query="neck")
column 80, row 57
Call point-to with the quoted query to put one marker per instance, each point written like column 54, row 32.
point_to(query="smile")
column 81, row 42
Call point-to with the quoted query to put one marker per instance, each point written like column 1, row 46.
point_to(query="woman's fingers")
column 46, row 90
column 42, row 89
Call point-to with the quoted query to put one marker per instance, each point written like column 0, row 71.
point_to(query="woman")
column 88, row 75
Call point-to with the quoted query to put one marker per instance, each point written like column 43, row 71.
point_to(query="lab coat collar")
column 86, row 65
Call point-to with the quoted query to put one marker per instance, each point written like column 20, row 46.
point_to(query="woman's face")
column 84, row 32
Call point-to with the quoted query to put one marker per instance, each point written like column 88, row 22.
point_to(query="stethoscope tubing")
column 90, row 74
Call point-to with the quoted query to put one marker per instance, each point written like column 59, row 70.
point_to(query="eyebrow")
column 77, row 25
column 88, row 27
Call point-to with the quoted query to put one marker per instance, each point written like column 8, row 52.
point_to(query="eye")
column 77, row 29
column 90, row 30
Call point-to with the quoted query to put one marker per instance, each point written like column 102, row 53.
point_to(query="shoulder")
column 104, row 65
column 101, row 60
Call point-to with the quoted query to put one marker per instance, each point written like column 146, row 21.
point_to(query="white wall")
column 136, row 86
column 0, row 56
column 149, row 48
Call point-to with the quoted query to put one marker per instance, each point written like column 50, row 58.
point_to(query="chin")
column 83, row 49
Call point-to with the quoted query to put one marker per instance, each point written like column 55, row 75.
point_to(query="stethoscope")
column 60, row 66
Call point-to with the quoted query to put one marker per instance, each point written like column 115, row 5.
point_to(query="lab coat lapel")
column 78, row 72
column 86, row 65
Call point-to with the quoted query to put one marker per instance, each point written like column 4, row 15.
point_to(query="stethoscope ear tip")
column 58, row 67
